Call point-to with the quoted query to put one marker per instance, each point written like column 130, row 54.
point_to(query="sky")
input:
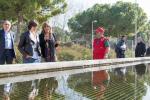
column 75, row 6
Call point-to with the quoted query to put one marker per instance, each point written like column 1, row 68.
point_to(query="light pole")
column 94, row 21
column 136, row 19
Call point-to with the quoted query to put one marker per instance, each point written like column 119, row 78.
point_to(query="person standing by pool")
column 121, row 47
column 48, row 43
column 140, row 49
column 29, row 44
column 100, row 44
column 7, row 37
column 7, row 52
column 100, row 51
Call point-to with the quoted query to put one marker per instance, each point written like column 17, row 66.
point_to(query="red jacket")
column 99, row 48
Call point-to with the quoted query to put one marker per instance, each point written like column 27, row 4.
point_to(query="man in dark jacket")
column 7, row 53
column 140, row 48
column 121, row 48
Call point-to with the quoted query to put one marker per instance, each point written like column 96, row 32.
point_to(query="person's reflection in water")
column 47, row 87
column 100, row 81
column 7, row 91
column 120, row 73
column 148, row 68
column 34, row 87
column 140, row 69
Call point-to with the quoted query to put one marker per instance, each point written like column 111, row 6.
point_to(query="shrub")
column 75, row 52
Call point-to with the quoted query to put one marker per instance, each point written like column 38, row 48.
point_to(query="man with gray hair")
column 7, row 53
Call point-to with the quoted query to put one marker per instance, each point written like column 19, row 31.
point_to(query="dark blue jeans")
column 7, row 57
column 31, row 60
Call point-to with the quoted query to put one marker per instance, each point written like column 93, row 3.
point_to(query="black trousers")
column 7, row 57
column 120, row 55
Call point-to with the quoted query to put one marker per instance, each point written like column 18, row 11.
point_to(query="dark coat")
column 2, row 43
column 140, row 49
column 50, row 50
column 120, row 53
column 25, row 45
column 148, row 51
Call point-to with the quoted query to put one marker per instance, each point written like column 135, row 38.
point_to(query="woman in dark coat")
column 48, row 43
column 29, row 44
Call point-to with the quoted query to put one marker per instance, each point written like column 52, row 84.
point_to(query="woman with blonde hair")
column 48, row 43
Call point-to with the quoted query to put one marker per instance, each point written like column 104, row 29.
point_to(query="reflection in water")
column 116, row 90
column 47, row 87
column 147, row 96
column 100, row 80
column 7, row 90
column 31, row 90
column 22, row 91
column 34, row 88
column 140, row 69
column 82, row 87
column 120, row 73
column 69, row 93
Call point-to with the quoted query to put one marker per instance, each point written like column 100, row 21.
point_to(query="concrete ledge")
column 21, row 78
column 22, row 69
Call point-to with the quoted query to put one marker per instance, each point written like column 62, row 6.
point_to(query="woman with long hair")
column 48, row 43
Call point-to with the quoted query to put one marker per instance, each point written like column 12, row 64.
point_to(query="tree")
column 61, row 34
column 144, row 32
column 117, row 19
column 24, row 10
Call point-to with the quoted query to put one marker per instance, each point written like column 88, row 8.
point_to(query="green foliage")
column 144, row 32
column 62, row 35
column 74, row 52
column 66, row 55
column 31, row 9
column 111, row 54
column 118, row 19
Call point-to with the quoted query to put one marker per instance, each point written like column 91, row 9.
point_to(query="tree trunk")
column 18, row 27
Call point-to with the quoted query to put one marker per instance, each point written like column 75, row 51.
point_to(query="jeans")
column 7, row 57
column 31, row 60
